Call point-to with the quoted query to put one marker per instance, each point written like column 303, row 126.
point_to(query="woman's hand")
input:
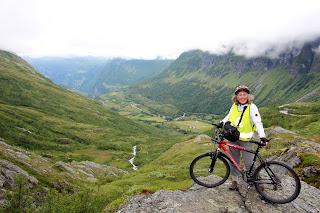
column 220, row 125
column 264, row 141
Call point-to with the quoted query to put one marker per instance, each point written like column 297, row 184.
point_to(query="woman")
column 251, row 118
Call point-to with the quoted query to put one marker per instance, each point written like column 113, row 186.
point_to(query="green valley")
column 49, row 120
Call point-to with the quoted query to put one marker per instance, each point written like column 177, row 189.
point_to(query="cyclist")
column 250, row 118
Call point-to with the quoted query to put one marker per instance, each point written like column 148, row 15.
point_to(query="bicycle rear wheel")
column 277, row 182
column 201, row 174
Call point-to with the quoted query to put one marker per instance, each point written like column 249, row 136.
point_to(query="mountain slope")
column 72, row 72
column 204, row 83
column 121, row 72
column 41, row 116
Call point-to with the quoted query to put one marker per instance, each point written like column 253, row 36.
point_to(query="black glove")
column 264, row 141
column 220, row 125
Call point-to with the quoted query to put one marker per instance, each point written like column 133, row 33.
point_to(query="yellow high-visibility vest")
column 245, row 127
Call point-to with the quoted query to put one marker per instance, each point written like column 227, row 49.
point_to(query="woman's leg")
column 236, row 155
column 233, row 169
column 248, row 157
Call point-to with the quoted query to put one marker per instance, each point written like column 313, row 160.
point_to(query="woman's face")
column 242, row 97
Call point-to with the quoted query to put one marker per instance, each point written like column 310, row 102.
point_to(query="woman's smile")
column 242, row 97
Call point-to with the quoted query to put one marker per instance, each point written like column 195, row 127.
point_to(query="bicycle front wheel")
column 202, row 173
column 277, row 182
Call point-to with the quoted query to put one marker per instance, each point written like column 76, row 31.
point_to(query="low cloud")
column 150, row 29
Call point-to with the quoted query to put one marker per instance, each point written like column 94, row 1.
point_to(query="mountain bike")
column 275, row 181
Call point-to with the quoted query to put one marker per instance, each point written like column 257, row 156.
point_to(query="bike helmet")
column 242, row 88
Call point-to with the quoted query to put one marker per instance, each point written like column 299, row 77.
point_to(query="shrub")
column 20, row 199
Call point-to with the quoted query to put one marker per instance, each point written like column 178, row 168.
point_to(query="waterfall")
column 132, row 159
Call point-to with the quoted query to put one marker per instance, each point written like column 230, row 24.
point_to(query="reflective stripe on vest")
column 245, row 127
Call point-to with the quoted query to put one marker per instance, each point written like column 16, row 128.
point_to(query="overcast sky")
column 153, row 28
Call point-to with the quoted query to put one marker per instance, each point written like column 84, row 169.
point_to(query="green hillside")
column 200, row 82
column 120, row 72
column 43, row 117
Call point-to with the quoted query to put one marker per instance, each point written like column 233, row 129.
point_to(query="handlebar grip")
column 258, row 142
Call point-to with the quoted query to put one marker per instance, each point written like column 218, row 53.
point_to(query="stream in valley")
column 132, row 159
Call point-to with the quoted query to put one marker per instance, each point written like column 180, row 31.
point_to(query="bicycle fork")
column 214, row 159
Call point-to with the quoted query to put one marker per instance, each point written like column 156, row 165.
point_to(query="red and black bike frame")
column 222, row 145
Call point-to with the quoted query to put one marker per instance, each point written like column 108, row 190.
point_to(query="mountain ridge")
column 120, row 72
column 96, row 75
column 72, row 72
column 204, row 83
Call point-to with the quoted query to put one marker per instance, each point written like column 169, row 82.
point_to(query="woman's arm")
column 256, row 119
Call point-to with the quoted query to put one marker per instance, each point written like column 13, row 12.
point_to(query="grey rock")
column 311, row 171
column 201, row 137
column 85, row 173
column 8, row 171
column 278, row 130
column 64, row 166
column 218, row 199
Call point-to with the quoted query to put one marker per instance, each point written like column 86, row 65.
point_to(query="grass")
column 305, row 125
column 191, row 124
column 169, row 172
column 98, row 156
column 310, row 159
column 40, row 116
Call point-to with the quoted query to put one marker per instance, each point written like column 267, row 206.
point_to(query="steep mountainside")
column 41, row 116
column 71, row 72
column 121, row 72
column 202, row 82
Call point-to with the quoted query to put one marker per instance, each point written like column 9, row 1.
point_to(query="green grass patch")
column 309, row 159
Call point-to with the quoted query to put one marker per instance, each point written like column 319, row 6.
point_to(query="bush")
column 20, row 199
column 23, row 200
column 85, row 200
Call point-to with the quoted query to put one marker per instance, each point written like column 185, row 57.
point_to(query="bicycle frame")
column 222, row 145
column 270, row 185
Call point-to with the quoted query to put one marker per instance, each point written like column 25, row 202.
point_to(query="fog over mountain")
column 250, row 49
column 149, row 29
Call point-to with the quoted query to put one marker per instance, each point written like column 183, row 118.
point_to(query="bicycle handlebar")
column 260, row 143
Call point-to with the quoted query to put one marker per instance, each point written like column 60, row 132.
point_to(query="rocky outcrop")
column 8, row 171
column 200, row 137
column 290, row 154
column 87, row 170
column 13, row 159
column 219, row 199
column 277, row 130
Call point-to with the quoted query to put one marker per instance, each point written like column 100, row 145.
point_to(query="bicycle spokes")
column 203, row 173
column 277, row 182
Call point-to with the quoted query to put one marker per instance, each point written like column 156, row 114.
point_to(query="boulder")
column 277, row 130
column 201, row 137
column 219, row 199
column 8, row 171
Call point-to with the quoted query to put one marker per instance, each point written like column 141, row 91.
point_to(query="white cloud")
column 152, row 28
